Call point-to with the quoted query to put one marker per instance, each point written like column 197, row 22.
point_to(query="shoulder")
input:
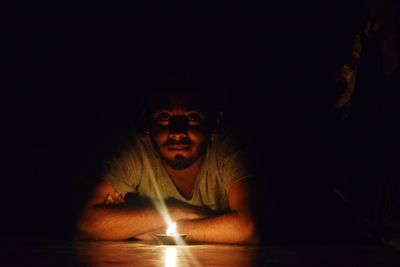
column 225, row 144
column 131, row 153
column 139, row 145
column 229, row 159
column 226, row 150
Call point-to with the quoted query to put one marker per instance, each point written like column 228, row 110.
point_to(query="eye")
column 193, row 117
column 163, row 117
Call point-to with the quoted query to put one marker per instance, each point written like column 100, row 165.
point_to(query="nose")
column 178, row 127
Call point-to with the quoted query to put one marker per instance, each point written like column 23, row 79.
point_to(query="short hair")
column 205, row 87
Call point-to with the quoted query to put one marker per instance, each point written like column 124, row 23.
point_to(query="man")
column 192, row 175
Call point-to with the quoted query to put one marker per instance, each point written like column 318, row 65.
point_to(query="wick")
column 171, row 230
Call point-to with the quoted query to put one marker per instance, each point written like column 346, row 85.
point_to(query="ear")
column 219, row 117
column 145, row 122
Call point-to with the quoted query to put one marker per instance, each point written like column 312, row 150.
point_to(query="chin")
column 177, row 154
column 179, row 162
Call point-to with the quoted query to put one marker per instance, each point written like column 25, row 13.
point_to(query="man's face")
column 180, row 130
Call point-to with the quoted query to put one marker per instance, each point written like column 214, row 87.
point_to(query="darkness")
column 74, row 98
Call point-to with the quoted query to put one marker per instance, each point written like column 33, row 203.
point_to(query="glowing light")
column 159, row 202
column 171, row 252
column 171, row 230
column 170, row 257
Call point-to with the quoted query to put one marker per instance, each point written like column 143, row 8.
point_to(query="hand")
column 115, row 198
column 149, row 236
column 178, row 213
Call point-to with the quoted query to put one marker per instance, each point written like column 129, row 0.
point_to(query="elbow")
column 250, row 235
column 84, row 228
column 247, row 231
column 87, row 228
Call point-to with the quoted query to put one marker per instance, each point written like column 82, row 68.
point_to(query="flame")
column 171, row 230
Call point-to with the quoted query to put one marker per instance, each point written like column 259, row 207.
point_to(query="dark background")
column 74, row 93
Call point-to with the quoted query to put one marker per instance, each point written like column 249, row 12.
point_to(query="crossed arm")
column 113, row 220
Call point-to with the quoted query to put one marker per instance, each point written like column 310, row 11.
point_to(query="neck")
column 185, row 174
column 185, row 179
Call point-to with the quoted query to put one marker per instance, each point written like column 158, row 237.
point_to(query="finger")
column 149, row 236
column 109, row 199
column 195, row 216
column 118, row 198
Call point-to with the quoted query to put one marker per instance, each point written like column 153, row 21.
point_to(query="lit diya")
column 171, row 237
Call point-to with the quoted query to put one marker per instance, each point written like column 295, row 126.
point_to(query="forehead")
column 179, row 101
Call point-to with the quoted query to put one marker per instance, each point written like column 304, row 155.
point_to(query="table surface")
column 133, row 253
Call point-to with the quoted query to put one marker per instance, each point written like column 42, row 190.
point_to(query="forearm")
column 231, row 227
column 117, row 222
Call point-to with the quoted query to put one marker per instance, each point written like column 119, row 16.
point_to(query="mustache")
column 184, row 141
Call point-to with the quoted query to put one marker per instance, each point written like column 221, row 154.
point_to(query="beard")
column 179, row 162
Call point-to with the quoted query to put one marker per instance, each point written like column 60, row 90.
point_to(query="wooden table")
column 71, row 253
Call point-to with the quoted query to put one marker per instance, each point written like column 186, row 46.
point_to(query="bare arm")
column 237, row 226
column 101, row 220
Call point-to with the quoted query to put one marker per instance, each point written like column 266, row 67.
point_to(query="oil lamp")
column 171, row 237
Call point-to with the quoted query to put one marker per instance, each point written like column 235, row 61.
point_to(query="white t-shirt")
column 139, row 170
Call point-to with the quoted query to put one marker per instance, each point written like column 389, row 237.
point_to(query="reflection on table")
column 150, row 254
column 71, row 253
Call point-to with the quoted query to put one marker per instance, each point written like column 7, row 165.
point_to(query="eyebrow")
column 161, row 108
column 189, row 109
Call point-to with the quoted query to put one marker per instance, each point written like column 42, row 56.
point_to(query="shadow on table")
column 152, row 254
